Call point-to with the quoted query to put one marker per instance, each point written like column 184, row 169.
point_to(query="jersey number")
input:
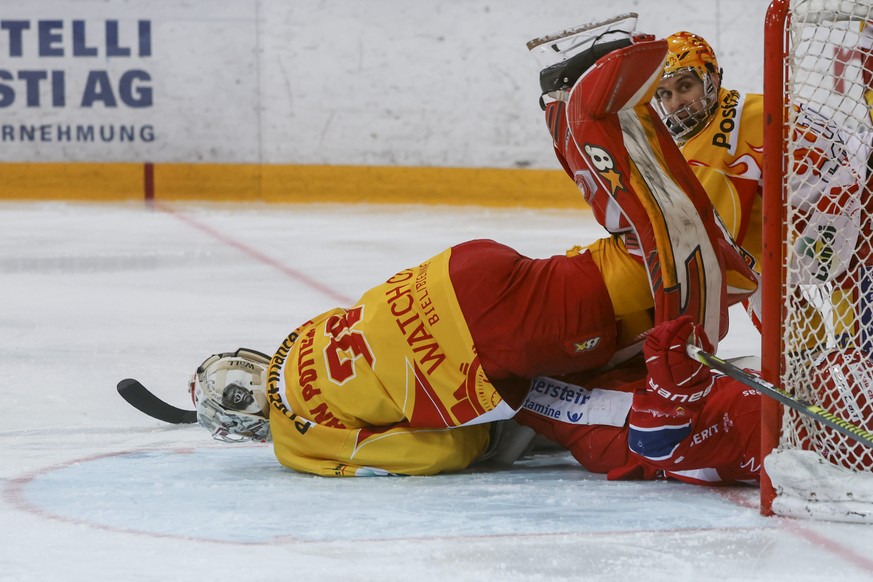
column 346, row 345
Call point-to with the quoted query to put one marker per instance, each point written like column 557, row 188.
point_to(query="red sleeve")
column 716, row 443
column 600, row 448
column 721, row 444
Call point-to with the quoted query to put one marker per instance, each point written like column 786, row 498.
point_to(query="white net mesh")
column 827, row 324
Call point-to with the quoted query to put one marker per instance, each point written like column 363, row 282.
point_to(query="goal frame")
column 773, row 223
column 777, row 38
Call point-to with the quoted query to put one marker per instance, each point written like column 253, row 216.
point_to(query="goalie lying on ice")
column 679, row 421
column 407, row 380
column 413, row 378
column 665, row 416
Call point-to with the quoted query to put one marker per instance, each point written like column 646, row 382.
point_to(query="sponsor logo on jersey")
column 702, row 435
column 727, row 123
column 410, row 302
column 586, row 345
column 274, row 376
column 820, row 250
column 558, row 400
column 577, row 405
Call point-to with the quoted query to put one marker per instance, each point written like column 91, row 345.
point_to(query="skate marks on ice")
column 207, row 494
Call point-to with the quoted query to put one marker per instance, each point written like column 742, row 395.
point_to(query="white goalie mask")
column 230, row 395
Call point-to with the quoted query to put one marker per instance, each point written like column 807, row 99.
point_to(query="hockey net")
column 818, row 266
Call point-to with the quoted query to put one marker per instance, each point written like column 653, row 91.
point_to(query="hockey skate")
column 563, row 56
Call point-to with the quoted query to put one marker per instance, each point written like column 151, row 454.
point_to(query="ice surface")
column 94, row 490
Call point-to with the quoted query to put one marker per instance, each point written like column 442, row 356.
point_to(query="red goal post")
column 817, row 282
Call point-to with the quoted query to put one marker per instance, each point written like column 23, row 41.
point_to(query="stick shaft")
column 813, row 411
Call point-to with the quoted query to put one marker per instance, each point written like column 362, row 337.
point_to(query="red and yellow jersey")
column 402, row 354
column 728, row 159
column 406, row 380
column 401, row 358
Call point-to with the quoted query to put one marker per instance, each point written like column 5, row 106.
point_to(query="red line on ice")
column 258, row 256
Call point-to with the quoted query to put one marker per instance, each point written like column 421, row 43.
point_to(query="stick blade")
column 140, row 398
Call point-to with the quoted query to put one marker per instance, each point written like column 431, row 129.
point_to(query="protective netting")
column 827, row 323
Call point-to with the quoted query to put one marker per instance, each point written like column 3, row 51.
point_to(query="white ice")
column 94, row 490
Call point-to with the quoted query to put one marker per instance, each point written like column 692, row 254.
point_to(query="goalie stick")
column 816, row 412
column 140, row 398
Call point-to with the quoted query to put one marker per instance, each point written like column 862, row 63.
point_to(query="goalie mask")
column 690, row 59
column 229, row 392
